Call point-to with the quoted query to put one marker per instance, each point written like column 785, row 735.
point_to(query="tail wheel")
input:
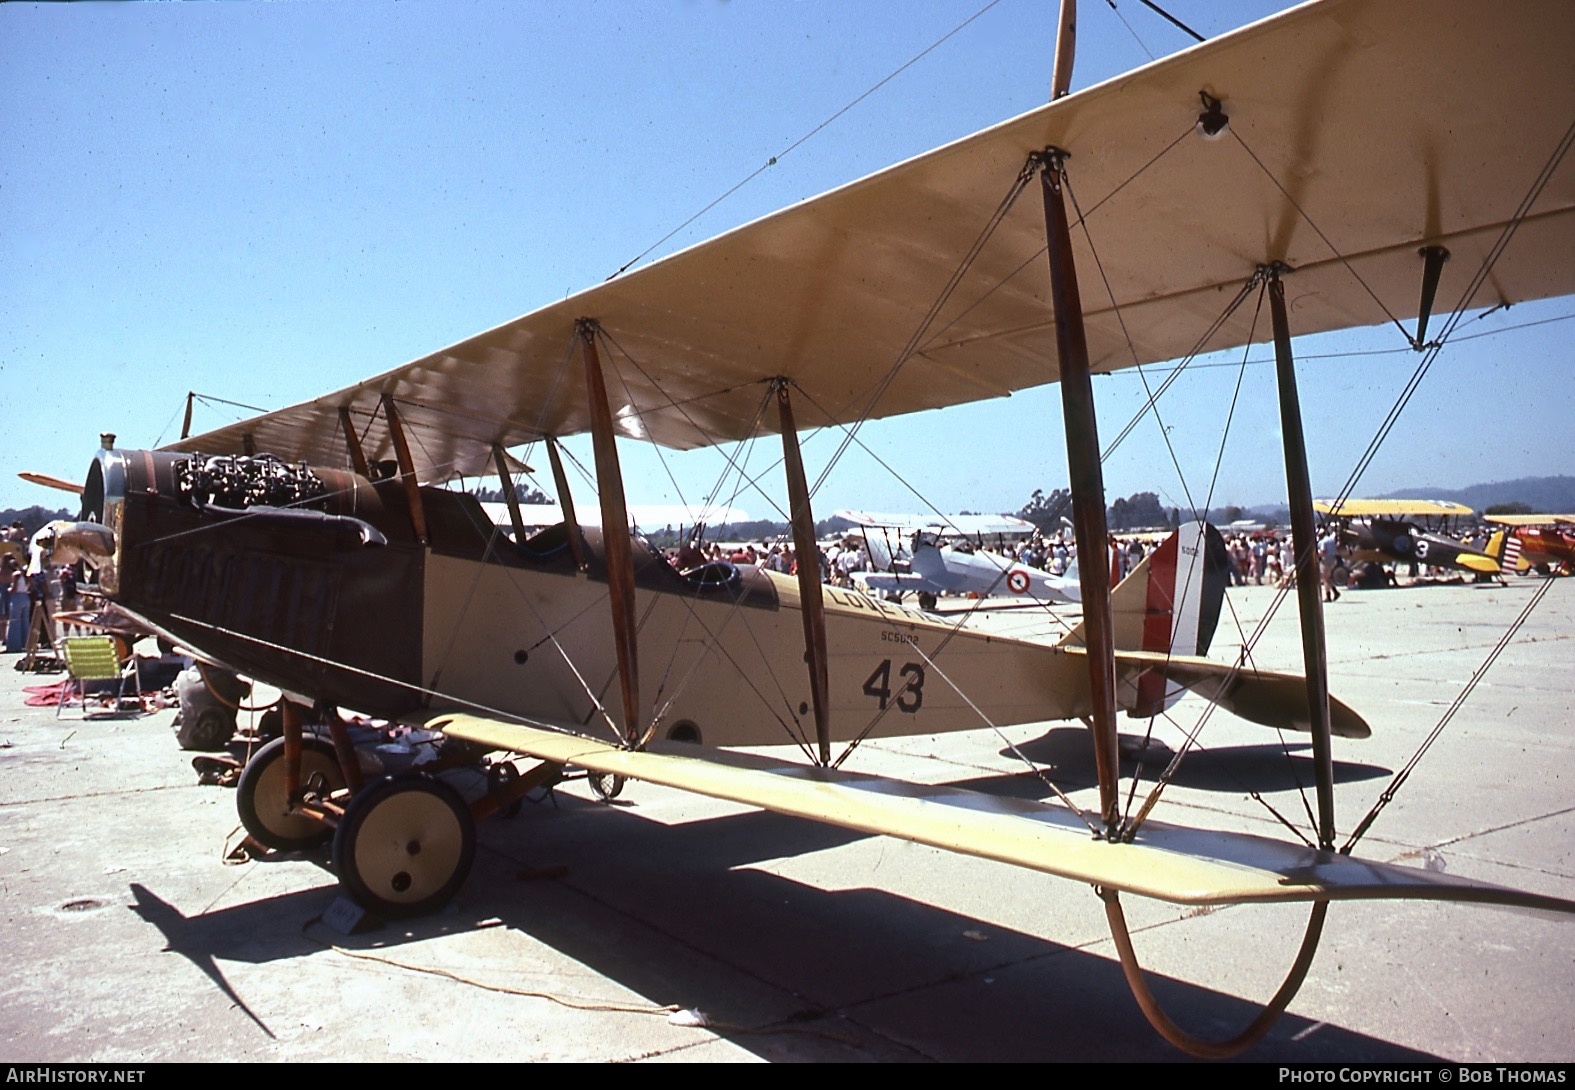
column 405, row 846
column 264, row 806
column 605, row 785
column 500, row 776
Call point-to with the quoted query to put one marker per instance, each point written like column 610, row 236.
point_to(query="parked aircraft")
column 929, row 557
column 1542, row 543
column 917, row 287
column 1380, row 530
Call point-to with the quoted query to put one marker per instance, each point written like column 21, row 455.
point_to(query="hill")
column 1542, row 494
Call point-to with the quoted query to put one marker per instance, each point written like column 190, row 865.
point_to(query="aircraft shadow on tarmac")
column 1069, row 760
column 684, row 915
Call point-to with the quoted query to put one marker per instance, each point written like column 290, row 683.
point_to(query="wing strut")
column 407, row 471
column 1065, row 50
column 571, row 521
column 1304, row 543
column 617, row 556
column 1087, row 483
column 353, row 441
column 510, row 496
column 1434, row 258
column 811, row 602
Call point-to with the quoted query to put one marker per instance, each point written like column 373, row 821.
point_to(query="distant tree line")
column 1139, row 511
column 495, row 495
column 33, row 518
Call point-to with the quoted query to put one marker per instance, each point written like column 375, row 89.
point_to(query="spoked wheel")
column 263, row 805
column 605, row 785
column 405, row 845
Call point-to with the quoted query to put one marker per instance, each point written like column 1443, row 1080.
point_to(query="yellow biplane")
column 1327, row 159
column 1382, row 531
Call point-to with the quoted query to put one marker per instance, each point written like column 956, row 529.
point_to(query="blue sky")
column 263, row 202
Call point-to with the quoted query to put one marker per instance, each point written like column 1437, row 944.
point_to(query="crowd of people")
column 21, row 591
column 1257, row 558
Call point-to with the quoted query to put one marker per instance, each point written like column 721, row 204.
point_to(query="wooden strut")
column 407, row 471
column 1433, row 258
column 290, row 720
column 1087, row 486
column 1065, row 49
column 811, row 599
column 571, row 522
column 353, row 442
column 185, row 424
column 510, row 496
column 1304, row 544
column 617, row 556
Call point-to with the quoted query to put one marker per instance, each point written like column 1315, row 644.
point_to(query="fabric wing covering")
column 1388, row 124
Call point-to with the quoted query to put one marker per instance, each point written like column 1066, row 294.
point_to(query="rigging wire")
column 771, row 162
column 872, row 395
column 1302, row 212
column 1404, row 774
column 1432, row 350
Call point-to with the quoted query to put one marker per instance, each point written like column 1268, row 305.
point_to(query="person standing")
column 21, row 605
column 1329, row 560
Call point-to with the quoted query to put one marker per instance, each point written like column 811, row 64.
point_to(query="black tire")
column 261, row 802
column 405, row 846
column 208, row 731
column 270, row 724
column 926, row 601
column 605, row 785
column 500, row 776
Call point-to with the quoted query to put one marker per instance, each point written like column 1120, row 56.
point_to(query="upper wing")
column 1359, row 130
column 1531, row 520
column 1391, row 508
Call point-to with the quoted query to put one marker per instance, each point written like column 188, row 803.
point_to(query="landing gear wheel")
column 926, row 601
column 500, row 776
column 405, row 845
column 605, row 785
column 265, row 809
column 270, row 724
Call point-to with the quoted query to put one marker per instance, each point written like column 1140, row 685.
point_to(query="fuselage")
column 335, row 598
column 1388, row 540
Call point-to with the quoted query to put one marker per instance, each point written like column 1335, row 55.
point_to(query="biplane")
column 1541, row 543
column 947, row 554
column 1382, row 531
column 1326, row 161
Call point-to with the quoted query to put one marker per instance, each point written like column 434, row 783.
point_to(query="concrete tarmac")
column 584, row 925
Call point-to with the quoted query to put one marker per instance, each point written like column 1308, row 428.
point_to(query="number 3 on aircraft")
column 910, row 697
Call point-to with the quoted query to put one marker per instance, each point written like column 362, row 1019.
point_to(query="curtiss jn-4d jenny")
column 1324, row 158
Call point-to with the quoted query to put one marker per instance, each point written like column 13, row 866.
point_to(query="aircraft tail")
column 1169, row 605
column 1504, row 547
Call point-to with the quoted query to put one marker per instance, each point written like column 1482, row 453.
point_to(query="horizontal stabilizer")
column 1476, row 562
column 1259, row 696
column 1180, row 865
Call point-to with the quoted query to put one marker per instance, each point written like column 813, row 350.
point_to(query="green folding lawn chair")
column 97, row 659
